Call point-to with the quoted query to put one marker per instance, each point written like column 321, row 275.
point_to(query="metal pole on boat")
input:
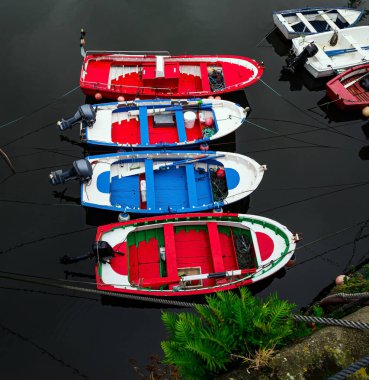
column 82, row 42
column 355, row 80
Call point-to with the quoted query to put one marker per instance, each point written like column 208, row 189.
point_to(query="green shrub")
column 230, row 325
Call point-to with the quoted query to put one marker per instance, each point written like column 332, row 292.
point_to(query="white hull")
column 351, row 50
column 228, row 117
column 243, row 176
column 255, row 224
column 303, row 22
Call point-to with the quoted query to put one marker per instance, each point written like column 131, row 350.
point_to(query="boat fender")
column 291, row 262
column 334, row 39
column 98, row 96
column 162, row 253
column 143, row 190
column 81, row 170
column 341, row 279
column 365, row 111
column 124, row 217
column 218, row 210
column 102, row 251
column 86, row 115
column 209, row 121
column 220, row 173
column 294, row 62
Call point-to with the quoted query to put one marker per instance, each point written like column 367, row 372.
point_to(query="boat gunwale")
column 204, row 218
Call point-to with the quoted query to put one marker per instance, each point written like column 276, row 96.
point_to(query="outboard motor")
column 86, row 115
column 102, row 251
column 294, row 62
column 81, row 170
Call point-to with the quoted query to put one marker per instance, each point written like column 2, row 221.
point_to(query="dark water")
column 317, row 182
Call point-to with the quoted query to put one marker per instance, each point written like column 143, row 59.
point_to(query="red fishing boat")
column 116, row 75
column 189, row 254
column 350, row 89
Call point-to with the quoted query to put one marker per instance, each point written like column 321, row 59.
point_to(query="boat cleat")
column 296, row 237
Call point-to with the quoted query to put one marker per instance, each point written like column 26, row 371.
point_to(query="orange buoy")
column 340, row 280
column 209, row 121
column 120, row 99
column 218, row 97
column 365, row 111
column 98, row 96
column 291, row 262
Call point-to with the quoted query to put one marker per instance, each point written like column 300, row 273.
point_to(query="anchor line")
column 39, row 108
column 330, row 129
column 291, row 138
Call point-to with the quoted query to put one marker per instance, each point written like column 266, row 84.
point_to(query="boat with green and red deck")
column 189, row 254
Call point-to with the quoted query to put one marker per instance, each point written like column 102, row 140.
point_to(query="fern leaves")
column 231, row 325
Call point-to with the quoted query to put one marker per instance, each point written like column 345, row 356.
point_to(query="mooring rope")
column 266, row 36
column 289, row 137
column 332, row 321
column 358, row 298
column 62, row 284
column 44, row 351
column 363, row 362
column 7, row 159
column 329, row 129
column 313, row 197
column 39, row 108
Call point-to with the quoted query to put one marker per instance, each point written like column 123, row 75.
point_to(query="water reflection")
column 280, row 45
column 66, row 198
column 301, row 78
column 335, row 114
column 364, row 153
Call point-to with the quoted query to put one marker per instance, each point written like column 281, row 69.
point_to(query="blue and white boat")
column 162, row 182
column 156, row 123
column 311, row 20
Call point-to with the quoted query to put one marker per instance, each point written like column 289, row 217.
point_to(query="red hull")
column 195, row 248
column 353, row 96
column 170, row 77
column 162, row 293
